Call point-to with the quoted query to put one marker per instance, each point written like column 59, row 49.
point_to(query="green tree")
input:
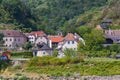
column 93, row 42
column 28, row 46
column 70, row 53
column 1, row 39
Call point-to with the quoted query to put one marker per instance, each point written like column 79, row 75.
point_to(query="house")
column 13, row 38
column 55, row 40
column 102, row 27
column 107, row 21
column 42, row 49
column 37, row 37
column 112, row 36
column 70, row 41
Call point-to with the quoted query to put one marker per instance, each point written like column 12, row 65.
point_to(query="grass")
column 101, row 59
column 91, row 66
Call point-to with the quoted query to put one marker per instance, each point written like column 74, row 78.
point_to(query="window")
column 14, row 39
column 43, row 52
column 68, row 42
column 10, row 39
column 72, row 42
column 9, row 45
column 18, row 39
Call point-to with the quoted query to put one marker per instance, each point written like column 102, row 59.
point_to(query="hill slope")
column 51, row 15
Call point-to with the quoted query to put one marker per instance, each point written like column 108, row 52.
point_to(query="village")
column 45, row 44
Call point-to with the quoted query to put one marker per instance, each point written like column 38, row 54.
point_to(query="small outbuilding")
column 42, row 49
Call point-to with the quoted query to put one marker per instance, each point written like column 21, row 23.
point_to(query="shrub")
column 17, row 53
column 23, row 78
column 23, row 54
column 27, row 54
column 49, row 60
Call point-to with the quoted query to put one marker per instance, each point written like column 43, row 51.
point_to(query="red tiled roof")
column 55, row 39
column 12, row 33
column 38, row 33
column 69, row 36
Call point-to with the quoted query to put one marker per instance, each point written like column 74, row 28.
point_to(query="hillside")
column 51, row 15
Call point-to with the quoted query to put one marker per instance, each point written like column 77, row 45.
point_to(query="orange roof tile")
column 55, row 38
column 69, row 36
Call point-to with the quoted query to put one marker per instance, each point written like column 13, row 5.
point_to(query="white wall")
column 70, row 45
column 41, row 39
column 12, row 42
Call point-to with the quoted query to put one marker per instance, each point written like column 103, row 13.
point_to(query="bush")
column 23, row 78
column 27, row 54
column 17, row 53
column 23, row 54
column 49, row 60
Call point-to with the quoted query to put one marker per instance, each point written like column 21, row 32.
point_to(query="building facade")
column 13, row 38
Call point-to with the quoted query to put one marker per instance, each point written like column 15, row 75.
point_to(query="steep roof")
column 55, row 39
column 42, row 46
column 12, row 33
column 69, row 36
column 38, row 33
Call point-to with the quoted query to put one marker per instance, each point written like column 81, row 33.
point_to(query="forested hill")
column 51, row 15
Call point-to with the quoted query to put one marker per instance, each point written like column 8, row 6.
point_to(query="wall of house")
column 31, row 38
column 42, row 53
column 70, row 45
column 41, row 39
column 11, row 42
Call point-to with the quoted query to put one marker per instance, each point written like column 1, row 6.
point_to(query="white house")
column 70, row 41
column 37, row 37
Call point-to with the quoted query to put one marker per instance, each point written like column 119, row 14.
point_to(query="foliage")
column 23, row 78
column 55, row 53
column 70, row 52
column 1, row 39
column 49, row 60
column 93, row 42
column 47, row 15
column 28, row 46
column 22, row 54
column 91, row 66
column 4, row 64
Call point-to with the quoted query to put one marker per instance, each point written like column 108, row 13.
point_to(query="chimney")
column 50, row 43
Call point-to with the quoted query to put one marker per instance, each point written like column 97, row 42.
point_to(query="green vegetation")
column 92, row 66
column 22, row 54
column 48, row 15
column 4, row 64
column 49, row 60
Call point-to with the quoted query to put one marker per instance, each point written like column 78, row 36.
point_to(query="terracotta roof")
column 38, row 33
column 55, row 39
column 12, row 33
column 69, row 36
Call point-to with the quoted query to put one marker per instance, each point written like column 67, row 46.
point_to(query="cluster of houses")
column 43, row 44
